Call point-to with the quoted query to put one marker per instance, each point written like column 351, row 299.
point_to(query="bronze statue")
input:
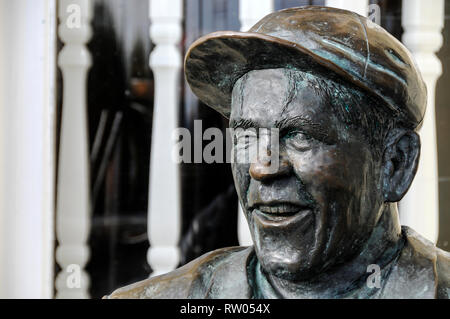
column 347, row 100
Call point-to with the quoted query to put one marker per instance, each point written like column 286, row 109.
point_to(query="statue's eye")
column 291, row 134
column 296, row 134
column 297, row 140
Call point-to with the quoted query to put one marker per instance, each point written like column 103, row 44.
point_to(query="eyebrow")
column 243, row 123
column 290, row 123
column 296, row 122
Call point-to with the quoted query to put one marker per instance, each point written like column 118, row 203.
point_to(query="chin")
column 295, row 271
column 295, row 268
column 286, row 262
column 293, row 264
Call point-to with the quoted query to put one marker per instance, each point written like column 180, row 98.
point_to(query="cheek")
column 332, row 169
column 241, row 179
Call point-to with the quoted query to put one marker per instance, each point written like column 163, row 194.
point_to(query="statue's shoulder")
column 190, row 281
column 425, row 266
column 443, row 273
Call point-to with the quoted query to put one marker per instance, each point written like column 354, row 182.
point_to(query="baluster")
column 27, row 150
column 73, row 205
column 359, row 6
column 423, row 22
column 250, row 12
column 164, row 191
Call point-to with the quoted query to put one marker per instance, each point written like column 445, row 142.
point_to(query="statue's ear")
column 400, row 162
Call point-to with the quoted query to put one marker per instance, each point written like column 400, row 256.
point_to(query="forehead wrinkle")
column 242, row 85
column 297, row 81
column 291, row 91
column 253, row 83
column 293, row 81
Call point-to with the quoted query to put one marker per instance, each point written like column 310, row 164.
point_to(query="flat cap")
column 332, row 42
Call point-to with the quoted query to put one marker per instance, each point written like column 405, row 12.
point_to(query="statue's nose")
column 264, row 169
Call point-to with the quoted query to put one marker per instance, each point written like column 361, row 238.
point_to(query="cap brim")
column 215, row 62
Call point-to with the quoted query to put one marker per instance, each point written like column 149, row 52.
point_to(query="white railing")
column 359, row 6
column 27, row 140
column 423, row 22
column 164, row 188
column 251, row 11
column 73, row 217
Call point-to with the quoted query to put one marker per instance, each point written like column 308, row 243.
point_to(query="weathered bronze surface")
column 347, row 100
column 315, row 39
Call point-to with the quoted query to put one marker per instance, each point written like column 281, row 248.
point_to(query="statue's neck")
column 380, row 249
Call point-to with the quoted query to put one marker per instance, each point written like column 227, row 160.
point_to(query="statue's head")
column 344, row 99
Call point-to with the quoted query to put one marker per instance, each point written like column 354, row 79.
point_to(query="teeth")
column 279, row 209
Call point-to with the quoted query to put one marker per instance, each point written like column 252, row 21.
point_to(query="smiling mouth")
column 280, row 212
column 282, row 209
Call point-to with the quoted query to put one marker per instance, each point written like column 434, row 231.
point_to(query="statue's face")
column 321, row 203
